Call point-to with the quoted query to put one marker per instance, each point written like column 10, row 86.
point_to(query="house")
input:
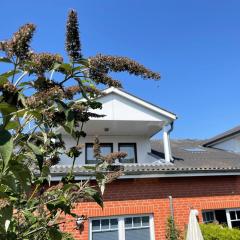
column 161, row 177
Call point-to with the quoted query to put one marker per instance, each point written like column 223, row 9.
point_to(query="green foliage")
column 213, row 231
column 37, row 97
column 172, row 232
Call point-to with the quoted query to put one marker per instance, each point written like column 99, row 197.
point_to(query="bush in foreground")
column 218, row 232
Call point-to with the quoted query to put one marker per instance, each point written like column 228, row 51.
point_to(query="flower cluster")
column 9, row 93
column 52, row 161
column 111, row 157
column 96, row 148
column 113, row 176
column 4, row 202
column 43, row 97
column 19, row 44
column 73, row 45
column 43, row 62
column 101, row 65
column 42, row 83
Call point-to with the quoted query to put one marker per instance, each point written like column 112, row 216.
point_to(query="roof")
column 140, row 101
column 222, row 136
column 190, row 159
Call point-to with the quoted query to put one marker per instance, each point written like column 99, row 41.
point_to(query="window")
column 137, row 228
column 106, row 148
column 105, row 229
column 131, row 150
column 233, row 217
column 122, row 228
column 208, row 216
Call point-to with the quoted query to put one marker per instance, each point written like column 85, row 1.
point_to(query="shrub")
column 218, row 232
column 173, row 232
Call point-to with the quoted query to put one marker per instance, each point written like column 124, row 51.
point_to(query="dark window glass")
column 114, row 223
column 236, row 224
column 137, row 222
column 128, row 222
column 131, row 150
column 232, row 215
column 238, row 214
column 105, row 224
column 145, row 221
column 106, row 148
column 96, row 224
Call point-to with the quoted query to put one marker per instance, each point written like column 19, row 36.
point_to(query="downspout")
column 171, row 207
column 170, row 149
column 166, row 143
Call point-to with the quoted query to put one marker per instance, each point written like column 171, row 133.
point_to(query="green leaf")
column 5, row 214
column 55, row 234
column 6, row 110
column 6, row 146
column 10, row 73
column 3, row 80
column 61, row 105
column 4, row 59
column 70, row 121
column 12, row 125
column 95, row 195
column 84, row 62
column 21, row 173
column 38, row 153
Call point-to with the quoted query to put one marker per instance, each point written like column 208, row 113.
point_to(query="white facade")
column 127, row 119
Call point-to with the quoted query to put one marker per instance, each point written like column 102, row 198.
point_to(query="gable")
column 118, row 105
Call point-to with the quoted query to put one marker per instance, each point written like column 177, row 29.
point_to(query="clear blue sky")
column 195, row 45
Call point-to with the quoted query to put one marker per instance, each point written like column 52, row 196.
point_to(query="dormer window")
column 106, row 148
column 131, row 150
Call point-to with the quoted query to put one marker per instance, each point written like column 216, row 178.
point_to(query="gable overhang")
column 171, row 116
column 126, row 114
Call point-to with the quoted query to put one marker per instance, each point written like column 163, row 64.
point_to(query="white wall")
column 232, row 144
column 116, row 107
column 143, row 146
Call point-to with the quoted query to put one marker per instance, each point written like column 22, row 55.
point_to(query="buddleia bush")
column 37, row 97
column 218, row 232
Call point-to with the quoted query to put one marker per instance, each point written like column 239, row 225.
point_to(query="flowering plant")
column 37, row 96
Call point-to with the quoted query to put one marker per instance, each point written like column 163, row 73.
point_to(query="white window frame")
column 229, row 221
column 121, row 225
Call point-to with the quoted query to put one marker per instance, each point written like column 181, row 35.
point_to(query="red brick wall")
column 139, row 196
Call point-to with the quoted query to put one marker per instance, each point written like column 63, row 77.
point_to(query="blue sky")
column 195, row 45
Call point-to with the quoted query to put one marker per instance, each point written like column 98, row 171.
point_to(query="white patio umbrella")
column 194, row 231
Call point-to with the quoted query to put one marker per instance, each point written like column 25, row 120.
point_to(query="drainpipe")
column 171, row 206
column 166, row 143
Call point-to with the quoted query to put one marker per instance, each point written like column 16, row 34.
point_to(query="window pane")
column 130, row 149
column 236, row 224
column 114, row 223
column 238, row 214
column 109, row 235
column 106, row 148
column 137, row 234
column 137, row 222
column 145, row 221
column 89, row 153
column 105, row 224
column 128, row 222
column 232, row 215
column 95, row 224
column 208, row 216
